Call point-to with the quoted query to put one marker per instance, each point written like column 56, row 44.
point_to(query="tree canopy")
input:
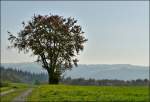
column 55, row 40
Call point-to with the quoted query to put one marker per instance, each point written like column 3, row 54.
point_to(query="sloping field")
column 63, row 93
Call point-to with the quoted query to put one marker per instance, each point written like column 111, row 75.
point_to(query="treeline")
column 104, row 82
column 18, row 76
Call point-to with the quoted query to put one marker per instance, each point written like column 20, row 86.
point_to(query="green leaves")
column 57, row 40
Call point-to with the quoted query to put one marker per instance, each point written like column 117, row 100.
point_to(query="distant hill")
column 99, row 71
column 30, row 67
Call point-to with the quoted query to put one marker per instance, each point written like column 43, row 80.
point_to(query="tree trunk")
column 53, row 77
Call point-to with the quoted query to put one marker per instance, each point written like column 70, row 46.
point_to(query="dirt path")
column 6, row 92
column 22, row 97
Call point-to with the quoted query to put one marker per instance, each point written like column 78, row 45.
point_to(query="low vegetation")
column 12, row 86
column 105, row 82
column 9, row 97
column 68, row 93
column 2, row 89
column 18, row 89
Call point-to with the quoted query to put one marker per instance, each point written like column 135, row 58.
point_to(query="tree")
column 55, row 40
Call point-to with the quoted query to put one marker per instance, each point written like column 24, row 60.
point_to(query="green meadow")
column 70, row 93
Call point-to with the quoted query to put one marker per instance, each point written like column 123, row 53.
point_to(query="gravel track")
column 22, row 96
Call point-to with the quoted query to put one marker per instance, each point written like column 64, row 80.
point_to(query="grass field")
column 68, row 93
column 13, row 86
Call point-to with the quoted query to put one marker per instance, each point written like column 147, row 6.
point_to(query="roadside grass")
column 2, row 89
column 9, row 97
column 18, row 87
column 13, row 86
column 68, row 93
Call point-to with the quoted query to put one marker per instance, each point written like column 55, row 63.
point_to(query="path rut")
column 22, row 97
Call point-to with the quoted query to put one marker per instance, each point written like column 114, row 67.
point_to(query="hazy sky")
column 117, row 32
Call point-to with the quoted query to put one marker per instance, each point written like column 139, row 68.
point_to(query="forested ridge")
column 14, row 75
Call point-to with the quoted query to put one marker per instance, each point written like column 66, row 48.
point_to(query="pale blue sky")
column 117, row 32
